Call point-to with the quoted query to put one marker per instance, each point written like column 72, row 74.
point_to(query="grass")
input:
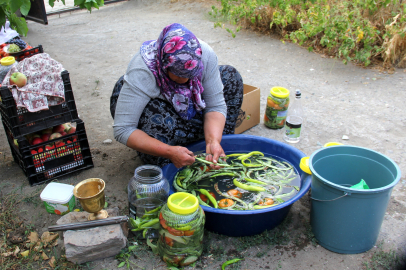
column 388, row 260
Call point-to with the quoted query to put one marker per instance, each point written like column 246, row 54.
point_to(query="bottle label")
column 292, row 130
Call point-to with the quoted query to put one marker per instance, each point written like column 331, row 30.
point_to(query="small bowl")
column 5, row 49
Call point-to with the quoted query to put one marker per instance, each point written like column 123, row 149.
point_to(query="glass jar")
column 276, row 108
column 181, row 229
column 148, row 190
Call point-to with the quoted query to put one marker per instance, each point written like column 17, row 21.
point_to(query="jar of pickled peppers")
column 181, row 229
column 276, row 107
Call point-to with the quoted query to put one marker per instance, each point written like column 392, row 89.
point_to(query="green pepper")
column 151, row 212
column 250, row 164
column 208, row 195
column 211, row 163
column 133, row 223
column 263, row 206
column 245, row 156
column 223, row 266
column 248, row 187
column 254, row 181
column 183, row 228
column 150, row 223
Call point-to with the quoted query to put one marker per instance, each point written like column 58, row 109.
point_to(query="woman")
column 172, row 95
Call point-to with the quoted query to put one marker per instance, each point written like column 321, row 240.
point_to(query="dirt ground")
column 363, row 105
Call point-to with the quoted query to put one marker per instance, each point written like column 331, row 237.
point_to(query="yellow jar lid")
column 8, row 60
column 183, row 203
column 279, row 92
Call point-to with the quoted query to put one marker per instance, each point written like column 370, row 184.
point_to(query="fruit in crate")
column 51, row 134
column 45, row 136
column 61, row 128
column 18, row 78
column 71, row 130
column 18, row 41
column 36, row 140
column 13, row 48
column 55, row 135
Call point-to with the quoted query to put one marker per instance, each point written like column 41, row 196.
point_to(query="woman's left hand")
column 214, row 152
column 213, row 131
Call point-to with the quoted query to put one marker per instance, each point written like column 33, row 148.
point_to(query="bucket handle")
column 345, row 194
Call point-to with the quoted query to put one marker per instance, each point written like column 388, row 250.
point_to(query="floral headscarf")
column 177, row 50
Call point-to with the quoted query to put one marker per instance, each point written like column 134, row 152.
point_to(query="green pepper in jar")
column 276, row 108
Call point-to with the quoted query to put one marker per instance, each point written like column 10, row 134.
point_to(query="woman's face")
column 177, row 79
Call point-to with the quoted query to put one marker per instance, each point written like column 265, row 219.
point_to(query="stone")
column 108, row 141
column 93, row 243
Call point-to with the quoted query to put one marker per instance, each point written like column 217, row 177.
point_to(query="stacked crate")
column 54, row 158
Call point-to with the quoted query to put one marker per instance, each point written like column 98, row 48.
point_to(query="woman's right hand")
column 181, row 156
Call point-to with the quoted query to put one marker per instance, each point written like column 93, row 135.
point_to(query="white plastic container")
column 58, row 198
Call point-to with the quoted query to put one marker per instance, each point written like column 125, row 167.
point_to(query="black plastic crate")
column 19, row 56
column 46, row 161
column 22, row 122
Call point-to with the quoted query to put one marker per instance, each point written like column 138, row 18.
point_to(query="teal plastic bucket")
column 344, row 219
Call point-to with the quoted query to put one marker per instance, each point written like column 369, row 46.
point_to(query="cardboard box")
column 250, row 109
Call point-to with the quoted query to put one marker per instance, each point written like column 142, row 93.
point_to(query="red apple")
column 63, row 133
column 58, row 128
column 36, row 140
column 31, row 137
column 67, row 127
column 45, row 137
column 55, row 135
column 71, row 130
column 18, row 79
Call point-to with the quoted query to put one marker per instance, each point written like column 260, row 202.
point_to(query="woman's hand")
column 213, row 131
column 181, row 156
column 141, row 141
column 214, row 152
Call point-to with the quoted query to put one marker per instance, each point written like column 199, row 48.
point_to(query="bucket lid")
column 332, row 144
column 183, row 203
column 6, row 61
column 304, row 165
column 279, row 92
column 57, row 193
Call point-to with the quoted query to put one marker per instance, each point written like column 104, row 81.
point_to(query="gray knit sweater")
column 140, row 87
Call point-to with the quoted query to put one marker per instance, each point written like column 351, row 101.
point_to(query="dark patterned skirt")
column 160, row 120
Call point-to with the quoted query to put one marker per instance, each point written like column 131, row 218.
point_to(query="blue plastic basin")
column 249, row 222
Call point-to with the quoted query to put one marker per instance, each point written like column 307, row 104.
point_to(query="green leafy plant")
column 124, row 257
column 360, row 31
column 10, row 10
